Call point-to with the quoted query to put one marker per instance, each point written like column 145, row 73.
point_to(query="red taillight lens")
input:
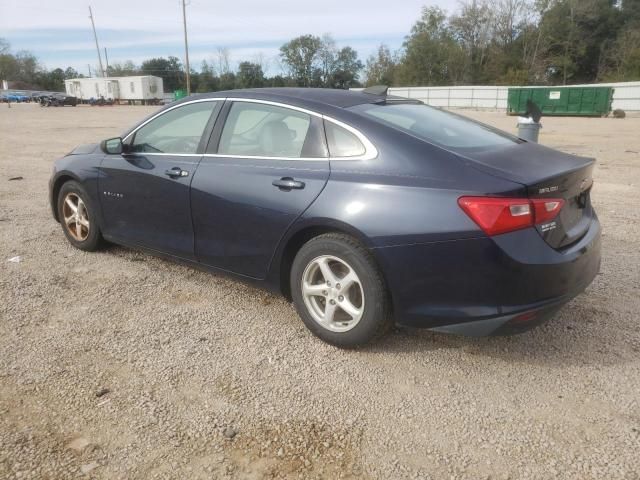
column 546, row 209
column 496, row 215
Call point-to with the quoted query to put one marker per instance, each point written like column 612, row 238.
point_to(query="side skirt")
column 254, row 282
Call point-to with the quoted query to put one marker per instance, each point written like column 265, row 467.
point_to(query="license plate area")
column 572, row 222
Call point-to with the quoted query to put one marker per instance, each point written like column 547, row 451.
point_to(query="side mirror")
column 112, row 146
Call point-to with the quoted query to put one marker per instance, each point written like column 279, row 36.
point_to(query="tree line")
column 307, row 60
column 516, row 42
column 494, row 42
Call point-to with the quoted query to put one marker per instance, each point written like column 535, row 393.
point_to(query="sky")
column 59, row 32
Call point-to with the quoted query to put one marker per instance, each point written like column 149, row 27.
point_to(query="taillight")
column 546, row 209
column 496, row 215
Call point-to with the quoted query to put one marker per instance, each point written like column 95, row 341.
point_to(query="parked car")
column 58, row 100
column 363, row 208
column 18, row 97
column 101, row 101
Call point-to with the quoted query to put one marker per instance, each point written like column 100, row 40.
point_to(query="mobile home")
column 139, row 88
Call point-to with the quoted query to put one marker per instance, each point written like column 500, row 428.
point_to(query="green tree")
column 431, row 56
column 208, row 81
column 52, row 80
column 300, row 57
column 473, row 29
column 624, row 62
column 576, row 36
column 227, row 81
column 169, row 69
column 8, row 63
column 278, row 81
column 250, row 75
column 346, row 69
column 71, row 73
column 126, row 69
column 380, row 68
column 28, row 67
column 326, row 61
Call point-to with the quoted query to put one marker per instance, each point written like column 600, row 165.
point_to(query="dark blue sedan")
column 364, row 209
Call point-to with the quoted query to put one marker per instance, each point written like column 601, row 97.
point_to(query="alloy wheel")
column 332, row 293
column 76, row 217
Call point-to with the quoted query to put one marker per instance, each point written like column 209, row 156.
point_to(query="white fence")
column 457, row 97
column 626, row 95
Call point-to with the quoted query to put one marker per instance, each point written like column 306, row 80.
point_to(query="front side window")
column 176, row 131
column 435, row 126
column 260, row 130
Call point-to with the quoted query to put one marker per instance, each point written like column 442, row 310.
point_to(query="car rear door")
column 266, row 163
column 144, row 193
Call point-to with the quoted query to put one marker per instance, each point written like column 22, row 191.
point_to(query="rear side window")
column 435, row 126
column 341, row 142
column 260, row 130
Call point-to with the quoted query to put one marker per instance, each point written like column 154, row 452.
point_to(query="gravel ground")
column 121, row 365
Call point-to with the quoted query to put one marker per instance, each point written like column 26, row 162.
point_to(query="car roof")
column 321, row 100
column 302, row 97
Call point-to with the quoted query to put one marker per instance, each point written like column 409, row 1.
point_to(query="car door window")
column 341, row 142
column 176, row 131
column 260, row 130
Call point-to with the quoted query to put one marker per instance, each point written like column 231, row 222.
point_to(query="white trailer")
column 139, row 88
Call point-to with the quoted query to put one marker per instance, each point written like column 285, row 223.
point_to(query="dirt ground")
column 118, row 365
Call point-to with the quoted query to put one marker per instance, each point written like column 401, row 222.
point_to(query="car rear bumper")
column 485, row 286
column 530, row 317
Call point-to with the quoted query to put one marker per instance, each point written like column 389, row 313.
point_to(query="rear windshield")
column 435, row 126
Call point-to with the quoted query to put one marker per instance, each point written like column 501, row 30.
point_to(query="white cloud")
column 59, row 31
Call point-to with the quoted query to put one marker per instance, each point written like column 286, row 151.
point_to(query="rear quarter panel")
column 408, row 194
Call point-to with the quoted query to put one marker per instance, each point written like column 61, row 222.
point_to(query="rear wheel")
column 77, row 217
column 339, row 291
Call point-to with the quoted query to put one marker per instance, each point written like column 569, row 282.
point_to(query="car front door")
column 269, row 165
column 144, row 192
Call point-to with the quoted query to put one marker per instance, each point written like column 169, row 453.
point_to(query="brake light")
column 546, row 209
column 496, row 215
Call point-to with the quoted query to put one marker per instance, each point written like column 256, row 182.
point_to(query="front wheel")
column 78, row 218
column 339, row 291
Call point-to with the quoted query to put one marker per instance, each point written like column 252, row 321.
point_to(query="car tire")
column 78, row 217
column 359, row 309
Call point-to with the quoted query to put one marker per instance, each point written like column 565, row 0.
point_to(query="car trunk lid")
column 551, row 174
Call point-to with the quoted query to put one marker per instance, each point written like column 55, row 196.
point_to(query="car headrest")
column 275, row 138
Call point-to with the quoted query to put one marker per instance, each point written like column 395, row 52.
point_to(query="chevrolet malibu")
column 362, row 208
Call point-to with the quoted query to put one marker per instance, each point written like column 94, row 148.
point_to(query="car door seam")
column 286, row 232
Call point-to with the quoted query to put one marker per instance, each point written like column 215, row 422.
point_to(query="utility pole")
column 106, row 61
column 89, row 65
column 95, row 36
column 186, row 46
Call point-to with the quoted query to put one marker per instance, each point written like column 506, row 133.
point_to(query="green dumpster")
column 178, row 94
column 557, row 101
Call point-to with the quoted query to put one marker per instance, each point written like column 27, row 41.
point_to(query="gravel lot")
column 121, row 365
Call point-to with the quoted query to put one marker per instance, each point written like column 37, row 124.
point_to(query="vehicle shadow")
column 590, row 330
column 580, row 334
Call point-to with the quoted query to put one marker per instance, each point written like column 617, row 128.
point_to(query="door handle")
column 288, row 183
column 176, row 172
